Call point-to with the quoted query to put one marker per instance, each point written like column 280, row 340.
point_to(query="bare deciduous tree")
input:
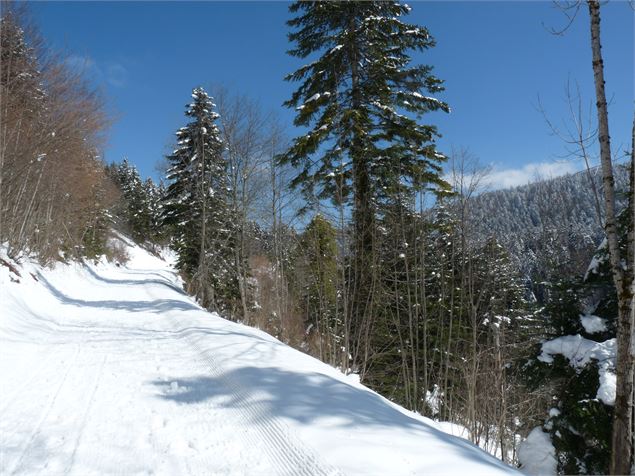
column 53, row 187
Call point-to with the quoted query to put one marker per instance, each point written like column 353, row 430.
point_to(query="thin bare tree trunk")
column 621, row 439
column 630, row 257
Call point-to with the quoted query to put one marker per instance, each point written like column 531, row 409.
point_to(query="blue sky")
column 495, row 57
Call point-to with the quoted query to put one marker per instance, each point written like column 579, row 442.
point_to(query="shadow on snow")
column 156, row 306
column 272, row 392
column 127, row 282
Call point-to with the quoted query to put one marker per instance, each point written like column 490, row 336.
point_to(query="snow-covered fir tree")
column 133, row 210
column 195, row 206
column 576, row 362
column 361, row 101
column 154, row 195
column 139, row 208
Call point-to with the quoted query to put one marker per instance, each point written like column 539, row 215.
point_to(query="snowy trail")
column 107, row 370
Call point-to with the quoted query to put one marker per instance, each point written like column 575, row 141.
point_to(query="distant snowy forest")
column 357, row 241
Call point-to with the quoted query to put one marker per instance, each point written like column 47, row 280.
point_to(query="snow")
column 579, row 352
column 433, row 399
column 593, row 324
column 608, row 384
column 114, row 369
column 315, row 97
column 537, row 455
column 597, row 260
column 454, row 429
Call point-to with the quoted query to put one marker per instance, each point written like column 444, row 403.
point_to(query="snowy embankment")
column 107, row 369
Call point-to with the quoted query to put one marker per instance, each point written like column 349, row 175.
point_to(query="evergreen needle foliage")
column 195, row 206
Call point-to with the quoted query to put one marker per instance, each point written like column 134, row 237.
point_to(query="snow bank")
column 579, row 352
column 114, row 369
column 593, row 324
column 537, row 455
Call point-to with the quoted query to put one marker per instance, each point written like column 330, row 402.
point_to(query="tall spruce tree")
column 196, row 206
column 361, row 101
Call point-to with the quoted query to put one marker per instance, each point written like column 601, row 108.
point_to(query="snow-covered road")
column 114, row 370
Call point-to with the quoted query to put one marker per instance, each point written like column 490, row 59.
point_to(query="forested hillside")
column 550, row 223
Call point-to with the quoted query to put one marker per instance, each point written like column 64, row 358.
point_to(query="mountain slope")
column 549, row 223
column 109, row 369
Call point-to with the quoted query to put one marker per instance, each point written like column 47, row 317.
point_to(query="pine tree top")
column 362, row 93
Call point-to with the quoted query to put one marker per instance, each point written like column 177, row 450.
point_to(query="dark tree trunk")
column 363, row 220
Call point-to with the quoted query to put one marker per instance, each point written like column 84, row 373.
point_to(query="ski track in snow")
column 43, row 367
column 107, row 370
column 288, row 457
column 83, row 377
column 285, row 456
column 28, row 443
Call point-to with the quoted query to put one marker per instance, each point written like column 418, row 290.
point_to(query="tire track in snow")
column 46, row 412
column 285, row 452
column 288, row 457
column 191, row 414
column 84, row 419
column 45, row 365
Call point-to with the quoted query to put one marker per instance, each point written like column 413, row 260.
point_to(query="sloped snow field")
column 114, row 370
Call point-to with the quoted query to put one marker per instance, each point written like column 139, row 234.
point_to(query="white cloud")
column 532, row 172
column 494, row 177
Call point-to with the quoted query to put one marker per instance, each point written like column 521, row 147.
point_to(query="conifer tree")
column 196, row 206
column 133, row 210
column 139, row 207
column 577, row 364
column 362, row 102
column 154, row 195
column 318, row 264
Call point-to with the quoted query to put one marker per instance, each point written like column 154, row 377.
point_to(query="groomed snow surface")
column 107, row 369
